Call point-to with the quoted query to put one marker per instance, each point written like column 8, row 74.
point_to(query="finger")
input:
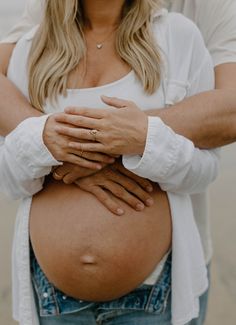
column 83, row 162
column 79, row 121
column 78, row 133
column 98, row 157
column 135, row 189
column 70, row 178
column 143, row 182
column 93, row 156
column 121, row 193
column 61, row 171
column 114, row 101
column 85, row 111
column 105, row 199
column 87, row 147
column 58, row 176
column 131, row 186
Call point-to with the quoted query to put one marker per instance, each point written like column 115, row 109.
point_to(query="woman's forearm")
column 208, row 119
column 14, row 107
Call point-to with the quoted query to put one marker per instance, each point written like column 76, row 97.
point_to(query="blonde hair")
column 59, row 45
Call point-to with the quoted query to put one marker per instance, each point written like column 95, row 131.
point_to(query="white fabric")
column 215, row 18
column 31, row 17
column 25, row 160
column 217, row 21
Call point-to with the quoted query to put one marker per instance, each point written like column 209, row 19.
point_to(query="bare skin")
column 106, row 256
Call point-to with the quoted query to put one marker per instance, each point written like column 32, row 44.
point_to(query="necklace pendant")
column 99, row 46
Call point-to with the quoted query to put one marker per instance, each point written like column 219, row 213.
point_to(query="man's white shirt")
column 215, row 18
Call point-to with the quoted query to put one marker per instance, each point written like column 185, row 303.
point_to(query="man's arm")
column 14, row 107
column 208, row 119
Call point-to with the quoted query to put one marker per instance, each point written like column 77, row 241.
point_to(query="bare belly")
column 91, row 254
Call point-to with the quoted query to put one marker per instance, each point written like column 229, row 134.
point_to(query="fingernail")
column 149, row 202
column 120, row 211
column 99, row 167
column 149, row 188
column 140, row 206
column 71, row 145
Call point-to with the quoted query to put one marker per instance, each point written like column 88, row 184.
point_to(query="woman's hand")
column 58, row 146
column 116, row 181
column 113, row 131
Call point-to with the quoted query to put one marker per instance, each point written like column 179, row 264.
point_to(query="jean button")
column 64, row 297
column 45, row 295
column 81, row 301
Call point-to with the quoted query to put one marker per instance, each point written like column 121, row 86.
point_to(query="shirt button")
column 45, row 294
column 64, row 297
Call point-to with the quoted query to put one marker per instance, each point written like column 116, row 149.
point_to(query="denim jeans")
column 146, row 305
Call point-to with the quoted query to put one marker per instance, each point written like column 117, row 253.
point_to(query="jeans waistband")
column 52, row 302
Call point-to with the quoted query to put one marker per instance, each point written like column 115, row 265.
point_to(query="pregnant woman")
column 88, row 265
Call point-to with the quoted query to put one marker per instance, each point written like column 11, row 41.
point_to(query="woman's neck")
column 102, row 14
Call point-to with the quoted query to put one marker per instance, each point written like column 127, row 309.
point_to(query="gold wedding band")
column 94, row 134
column 56, row 175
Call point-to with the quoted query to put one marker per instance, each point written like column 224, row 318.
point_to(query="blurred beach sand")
column 223, row 205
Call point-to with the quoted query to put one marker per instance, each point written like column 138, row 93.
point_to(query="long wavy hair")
column 59, row 45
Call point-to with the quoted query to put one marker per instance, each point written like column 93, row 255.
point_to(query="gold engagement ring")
column 56, row 175
column 94, row 134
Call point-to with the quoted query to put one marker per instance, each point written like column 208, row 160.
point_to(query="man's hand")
column 69, row 173
column 122, row 184
column 58, row 146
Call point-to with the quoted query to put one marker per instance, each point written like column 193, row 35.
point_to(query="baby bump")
column 91, row 254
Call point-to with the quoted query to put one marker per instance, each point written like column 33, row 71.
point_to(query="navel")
column 88, row 259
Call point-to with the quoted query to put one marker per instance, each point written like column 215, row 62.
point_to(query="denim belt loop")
column 157, row 300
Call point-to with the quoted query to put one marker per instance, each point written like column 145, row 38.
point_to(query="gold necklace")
column 99, row 45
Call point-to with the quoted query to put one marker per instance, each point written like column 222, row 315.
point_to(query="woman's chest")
column 127, row 87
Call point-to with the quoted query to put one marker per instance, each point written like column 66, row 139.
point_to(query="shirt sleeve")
column 169, row 158
column 31, row 17
column 24, row 159
column 217, row 22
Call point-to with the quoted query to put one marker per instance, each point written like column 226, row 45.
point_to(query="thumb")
column 114, row 101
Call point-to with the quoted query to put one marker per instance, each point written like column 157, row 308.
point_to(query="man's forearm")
column 208, row 119
column 14, row 107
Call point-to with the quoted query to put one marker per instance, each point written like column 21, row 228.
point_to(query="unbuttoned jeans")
column 146, row 305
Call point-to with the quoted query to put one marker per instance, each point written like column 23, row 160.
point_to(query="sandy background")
column 223, row 204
